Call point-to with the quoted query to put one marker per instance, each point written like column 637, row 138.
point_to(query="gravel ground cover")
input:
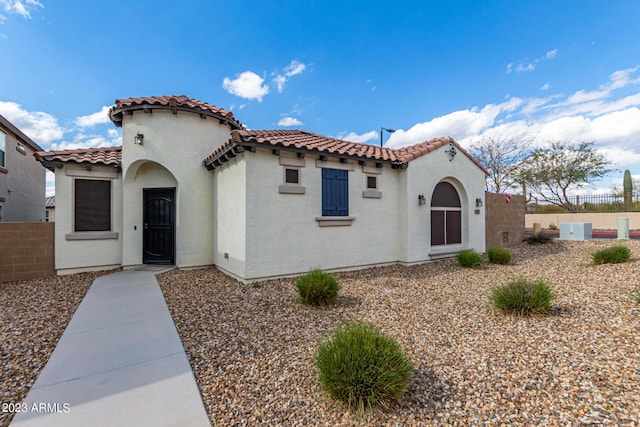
column 33, row 316
column 252, row 347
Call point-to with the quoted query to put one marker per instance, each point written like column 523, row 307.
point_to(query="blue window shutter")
column 335, row 192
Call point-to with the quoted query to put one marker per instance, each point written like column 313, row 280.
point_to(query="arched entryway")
column 150, row 202
column 446, row 215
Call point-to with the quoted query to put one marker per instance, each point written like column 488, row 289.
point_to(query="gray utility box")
column 575, row 230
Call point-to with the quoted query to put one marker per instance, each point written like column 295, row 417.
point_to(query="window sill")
column 372, row 194
column 291, row 189
column 335, row 221
column 91, row 235
column 443, row 251
column 3, row 170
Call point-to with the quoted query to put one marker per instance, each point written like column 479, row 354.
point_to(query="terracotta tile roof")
column 311, row 142
column 50, row 202
column 173, row 102
column 94, row 156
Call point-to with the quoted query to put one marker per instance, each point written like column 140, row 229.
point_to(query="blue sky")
column 551, row 70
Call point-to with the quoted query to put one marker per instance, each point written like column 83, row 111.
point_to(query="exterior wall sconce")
column 451, row 152
column 138, row 139
column 478, row 202
column 421, row 200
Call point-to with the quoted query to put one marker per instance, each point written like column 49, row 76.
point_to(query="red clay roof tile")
column 309, row 141
column 180, row 102
column 94, row 156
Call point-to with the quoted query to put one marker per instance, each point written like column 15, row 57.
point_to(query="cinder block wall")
column 504, row 222
column 26, row 250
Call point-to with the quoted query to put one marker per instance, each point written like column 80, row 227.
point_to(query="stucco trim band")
column 372, row 194
column 291, row 189
column 91, row 235
column 334, row 165
column 335, row 221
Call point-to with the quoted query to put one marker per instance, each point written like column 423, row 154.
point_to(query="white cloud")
column 20, row 7
column 459, row 124
column 545, row 86
column 598, row 114
column 293, row 69
column 97, row 118
column 362, row 138
column 525, row 67
column 289, row 121
column 247, row 85
column 622, row 78
column 280, row 80
column 43, row 128
column 81, row 140
column 50, row 183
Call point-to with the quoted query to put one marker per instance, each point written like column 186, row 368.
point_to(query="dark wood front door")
column 158, row 241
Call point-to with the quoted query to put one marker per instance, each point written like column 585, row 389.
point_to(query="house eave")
column 117, row 114
column 236, row 147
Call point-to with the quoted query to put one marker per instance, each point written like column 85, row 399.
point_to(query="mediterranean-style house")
column 191, row 186
column 22, row 180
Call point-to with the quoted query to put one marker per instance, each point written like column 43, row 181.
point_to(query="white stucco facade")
column 233, row 204
column 171, row 157
column 83, row 251
column 267, row 233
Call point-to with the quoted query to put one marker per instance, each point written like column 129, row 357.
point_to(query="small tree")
column 551, row 172
column 501, row 155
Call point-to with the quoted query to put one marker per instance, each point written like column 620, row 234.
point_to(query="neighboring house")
column 191, row 187
column 50, row 209
column 22, row 179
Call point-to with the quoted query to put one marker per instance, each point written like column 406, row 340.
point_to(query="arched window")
column 446, row 215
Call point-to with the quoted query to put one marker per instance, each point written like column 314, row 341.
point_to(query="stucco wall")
column 505, row 221
column 230, row 216
column 75, row 255
column 22, row 184
column 179, row 143
column 422, row 175
column 284, row 237
column 599, row 221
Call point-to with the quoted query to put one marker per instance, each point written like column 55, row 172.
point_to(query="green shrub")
column 363, row 367
column 499, row 255
column 612, row 255
column 469, row 258
column 522, row 296
column 318, row 288
column 538, row 239
column 552, row 226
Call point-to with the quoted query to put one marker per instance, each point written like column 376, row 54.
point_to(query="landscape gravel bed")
column 252, row 346
column 33, row 315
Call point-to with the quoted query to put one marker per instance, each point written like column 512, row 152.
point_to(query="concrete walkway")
column 120, row 362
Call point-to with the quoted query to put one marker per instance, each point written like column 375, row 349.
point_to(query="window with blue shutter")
column 335, row 192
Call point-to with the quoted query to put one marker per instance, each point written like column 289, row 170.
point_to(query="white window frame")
column 293, row 163
column 3, row 149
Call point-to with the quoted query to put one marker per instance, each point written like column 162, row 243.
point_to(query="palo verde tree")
column 501, row 155
column 551, row 172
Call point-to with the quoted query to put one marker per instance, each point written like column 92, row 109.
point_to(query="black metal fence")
column 585, row 203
